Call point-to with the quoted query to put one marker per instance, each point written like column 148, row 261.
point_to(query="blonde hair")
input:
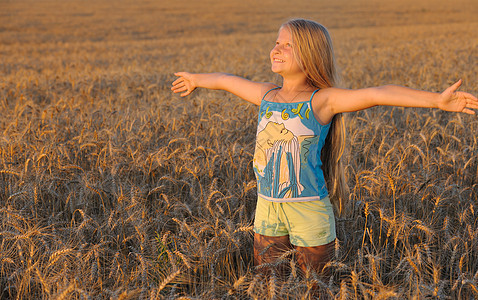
column 314, row 53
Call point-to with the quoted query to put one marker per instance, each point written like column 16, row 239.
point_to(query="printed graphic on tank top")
column 287, row 155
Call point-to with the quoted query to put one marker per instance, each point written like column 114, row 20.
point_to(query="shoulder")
column 323, row 97
column 327, row 94
column 266, row 88
column 322, row 104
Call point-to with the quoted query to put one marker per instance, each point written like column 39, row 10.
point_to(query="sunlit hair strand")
column 314, row 53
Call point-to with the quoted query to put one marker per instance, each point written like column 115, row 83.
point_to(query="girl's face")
column 282, row 56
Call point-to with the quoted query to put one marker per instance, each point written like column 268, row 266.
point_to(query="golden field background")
column 112, row 187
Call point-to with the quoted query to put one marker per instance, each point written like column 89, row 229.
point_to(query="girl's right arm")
column 248, row 90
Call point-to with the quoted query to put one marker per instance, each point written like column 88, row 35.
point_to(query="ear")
column 270, row 143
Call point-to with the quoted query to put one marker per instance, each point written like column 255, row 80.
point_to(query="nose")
column 277, row 48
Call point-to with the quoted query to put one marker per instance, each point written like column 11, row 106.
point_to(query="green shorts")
column 308, row 223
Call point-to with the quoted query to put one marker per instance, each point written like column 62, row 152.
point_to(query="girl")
column 300, row 139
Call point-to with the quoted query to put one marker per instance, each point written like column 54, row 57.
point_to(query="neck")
column 295, row 85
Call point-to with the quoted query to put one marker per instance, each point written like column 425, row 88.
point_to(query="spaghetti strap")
column 312, row 96
column 277, row 87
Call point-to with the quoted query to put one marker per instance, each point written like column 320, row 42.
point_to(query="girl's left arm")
column 337, row 100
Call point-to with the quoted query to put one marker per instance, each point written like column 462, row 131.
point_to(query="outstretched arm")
column 337, row 100
column 246, row 89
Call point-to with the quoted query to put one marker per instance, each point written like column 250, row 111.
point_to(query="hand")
column 184, row 83
column 451, row 100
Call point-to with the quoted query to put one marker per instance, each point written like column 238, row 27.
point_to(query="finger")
column 178, row 85
column 456, row 85
column 180, row 79
column 469, row 96
column 469, row 111
column 181, row 89
column 451, row 89
column 185, row 94
column 473, row 105
column 175, row 88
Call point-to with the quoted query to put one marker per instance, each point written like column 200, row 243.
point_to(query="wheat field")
column 111, row 187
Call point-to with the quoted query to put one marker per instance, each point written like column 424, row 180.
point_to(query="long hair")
column 314, row 53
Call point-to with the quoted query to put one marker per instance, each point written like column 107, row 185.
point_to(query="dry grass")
column 111, row 187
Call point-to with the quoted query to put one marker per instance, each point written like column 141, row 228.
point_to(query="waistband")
column 298, row 199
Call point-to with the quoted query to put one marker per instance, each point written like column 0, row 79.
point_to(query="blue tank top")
column 287, row 156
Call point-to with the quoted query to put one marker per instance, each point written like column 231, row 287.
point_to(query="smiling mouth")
column 278, row 60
